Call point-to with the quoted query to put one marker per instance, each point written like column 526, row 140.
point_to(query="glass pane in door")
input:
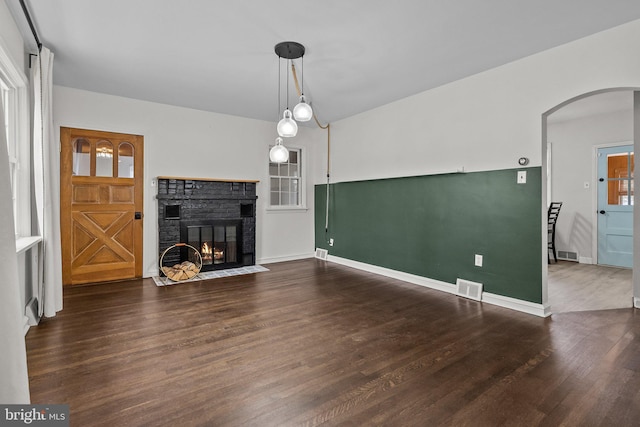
column 104, row 158
column 125, row 160
column 81, row 157
column 620, row 179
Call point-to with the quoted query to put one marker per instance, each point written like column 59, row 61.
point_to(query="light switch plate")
column 522, row 177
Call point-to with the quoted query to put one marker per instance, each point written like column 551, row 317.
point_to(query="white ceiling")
column 218, row 55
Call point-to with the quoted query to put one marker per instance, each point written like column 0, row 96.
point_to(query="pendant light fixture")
column 278, row 153
column 302, row 112
column 287, row 127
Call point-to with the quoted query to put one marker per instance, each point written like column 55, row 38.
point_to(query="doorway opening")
column 573, row 133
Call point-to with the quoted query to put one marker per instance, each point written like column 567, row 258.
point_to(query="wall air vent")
column 322, row 253
column 468, row 289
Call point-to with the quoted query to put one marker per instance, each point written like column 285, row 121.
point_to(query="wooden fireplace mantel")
column 185, row 178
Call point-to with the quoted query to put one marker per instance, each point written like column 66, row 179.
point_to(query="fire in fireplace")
column 207, row 254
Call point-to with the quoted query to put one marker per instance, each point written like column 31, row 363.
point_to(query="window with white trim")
column 285, row 182
column 15, row 99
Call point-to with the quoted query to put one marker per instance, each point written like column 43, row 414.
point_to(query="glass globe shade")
column 302, row 112
column 278, row 152
column 287, row 127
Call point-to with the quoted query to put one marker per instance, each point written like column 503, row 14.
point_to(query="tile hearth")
column 206, row 275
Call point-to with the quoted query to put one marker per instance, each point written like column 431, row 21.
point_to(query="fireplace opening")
column 219, row 242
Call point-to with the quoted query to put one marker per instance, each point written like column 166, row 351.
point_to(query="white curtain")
column 46, row 174
column 14, row 383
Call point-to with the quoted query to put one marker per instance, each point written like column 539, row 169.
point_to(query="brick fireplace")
column 218, row 218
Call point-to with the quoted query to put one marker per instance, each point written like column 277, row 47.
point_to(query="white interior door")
column 615, row 205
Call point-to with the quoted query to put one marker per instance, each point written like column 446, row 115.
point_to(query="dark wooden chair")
column 552, row 218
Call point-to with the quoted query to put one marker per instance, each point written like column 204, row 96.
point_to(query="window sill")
column 285, row 209
column 23, row 244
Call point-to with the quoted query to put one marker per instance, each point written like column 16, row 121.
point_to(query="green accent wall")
column 432, row 226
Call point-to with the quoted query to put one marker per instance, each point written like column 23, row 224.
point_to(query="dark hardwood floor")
column 312, row 343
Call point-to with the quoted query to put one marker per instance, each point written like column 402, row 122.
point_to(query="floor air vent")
column 321, row 253
column 468, row 289
column 568, row 256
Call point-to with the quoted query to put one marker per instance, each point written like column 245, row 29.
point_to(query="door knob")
column 602, row 212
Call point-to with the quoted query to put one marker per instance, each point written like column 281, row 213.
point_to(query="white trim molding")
column 541, row 310
column 271, row 260
column 395, row 274
column 499, row 300
column 19, row 127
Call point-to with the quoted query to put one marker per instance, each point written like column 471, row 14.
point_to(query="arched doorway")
column 581, row 212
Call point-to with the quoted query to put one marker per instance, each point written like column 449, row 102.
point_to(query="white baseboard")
column 502, row 301
column 395, row 274
column 151, row 273
column 270, row 260
column 517, row 304
column 26, row 325
column 636, row 302
column 585, row 260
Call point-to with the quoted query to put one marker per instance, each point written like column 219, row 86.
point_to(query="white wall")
column 191, row 143
column 486, row 121
column 572, row 163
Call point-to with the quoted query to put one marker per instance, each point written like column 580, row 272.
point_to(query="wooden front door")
column 101, row 189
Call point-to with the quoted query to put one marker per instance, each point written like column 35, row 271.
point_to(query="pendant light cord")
column 288, row 87
column 328, row 128
column 279, row 88
column 295, row 80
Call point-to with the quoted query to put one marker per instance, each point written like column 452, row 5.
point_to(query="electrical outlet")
column 331, row 242
column 478, row 260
